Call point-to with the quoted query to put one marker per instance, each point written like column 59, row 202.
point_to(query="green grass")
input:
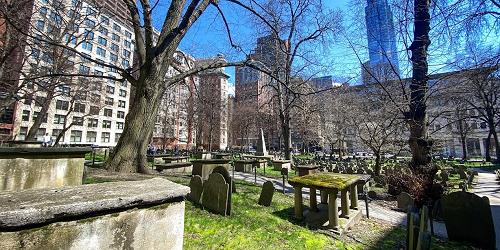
column 98, row 157
column 270, row 172
column 94, row 180
column 304, row 156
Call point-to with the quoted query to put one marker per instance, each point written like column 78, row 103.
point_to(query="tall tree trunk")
column 378, row 163
column 38, row 120
column 487, row 146
column 139, row 123
column 464, row 147
column 287, row 136
column 420, row 144
column 497, row 145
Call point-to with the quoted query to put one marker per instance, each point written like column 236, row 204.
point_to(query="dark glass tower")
column 383, row 62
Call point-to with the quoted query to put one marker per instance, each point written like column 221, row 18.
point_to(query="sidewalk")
column 488, row 186
column 378, row 212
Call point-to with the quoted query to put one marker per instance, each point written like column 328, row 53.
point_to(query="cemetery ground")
column 252, row 226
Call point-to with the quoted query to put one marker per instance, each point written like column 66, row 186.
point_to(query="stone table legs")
column 333, row 210
column 312, row 199
column 324, row 197
column 354, row 196
column 299, row 207
column 344, row 202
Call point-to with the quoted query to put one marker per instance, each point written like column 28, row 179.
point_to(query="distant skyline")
column 208, row 37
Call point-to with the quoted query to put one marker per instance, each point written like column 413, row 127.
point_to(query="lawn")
column 252, row 226
column 270, row 172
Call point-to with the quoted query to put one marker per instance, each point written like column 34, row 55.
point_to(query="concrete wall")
column 40, row 168
column 159, row 227
column 112, row 215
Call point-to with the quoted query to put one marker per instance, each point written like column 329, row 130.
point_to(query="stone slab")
column 216, row 194
column 27, row 208
column 325, row 180
column 196, row 187
column 266, row 195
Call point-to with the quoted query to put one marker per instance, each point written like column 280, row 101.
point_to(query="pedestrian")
column 47, row 140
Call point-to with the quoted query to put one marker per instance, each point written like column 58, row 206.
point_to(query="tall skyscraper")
column 383, row 63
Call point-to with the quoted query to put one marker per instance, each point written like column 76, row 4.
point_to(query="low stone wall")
column 32, row 168
column 145, row 214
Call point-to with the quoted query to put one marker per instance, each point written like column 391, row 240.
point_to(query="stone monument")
column 261, row 145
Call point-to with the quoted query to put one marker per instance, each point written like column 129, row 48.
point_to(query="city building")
column 86, row 110
column 213, row 107
column 383, row 64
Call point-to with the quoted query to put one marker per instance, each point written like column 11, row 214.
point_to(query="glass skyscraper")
column 383, row 62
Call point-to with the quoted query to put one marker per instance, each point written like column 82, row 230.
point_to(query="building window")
column 105, row 137
column 120, row 114
column 115, row 47
column 108, row 112
column 128, row 34
column 113, row 57
column 44, row 119
column 40, row 25
column 76, row 136
column 117, row 136
column 104, row 20
column 90, row 23
column 59, row 119
column 102, row 41
column 117, row 27
column 122, row 104
column 78, row 121
column 127, row 44
column 92, row 123
column 106, row 124
column 87, row 46
column 115, row 37
column 22, row 133
column 55, row 134
column 125, row 63
column 122, row 93
column 84, row 69
column 26, row 115
column 62, row 105
column 101, row 52
column 124, row 84
column 91, row 136
column 119, row 125
column 109, row 101
column 103, row 31
column 126, row 53
column 88, row 35
column 110, row 89
column 43, row 11
column 79, row 107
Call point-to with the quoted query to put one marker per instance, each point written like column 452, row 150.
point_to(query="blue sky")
column 208, row 37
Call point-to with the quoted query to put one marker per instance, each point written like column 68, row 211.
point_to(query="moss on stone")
column 326, row 180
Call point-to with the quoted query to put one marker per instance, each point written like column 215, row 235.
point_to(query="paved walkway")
column 378, row 212
column 488, row 186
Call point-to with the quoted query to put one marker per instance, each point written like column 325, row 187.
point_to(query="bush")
column 407, row 181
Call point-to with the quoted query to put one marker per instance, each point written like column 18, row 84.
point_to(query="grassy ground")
column 252, row 226
column 270, row 172
column 98, row 157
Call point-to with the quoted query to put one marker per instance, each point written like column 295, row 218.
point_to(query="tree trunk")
column 487, row 146
column 464, row 147
column 288, row 139
column 378, row 163
column 497, row 146
column 38, row 120
column 420, row 144
column 130, row 152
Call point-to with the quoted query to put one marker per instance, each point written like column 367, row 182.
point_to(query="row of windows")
column 76, row 136
column 77, row 120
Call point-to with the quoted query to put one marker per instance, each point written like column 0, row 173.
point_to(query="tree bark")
column 487, row 154
column 419, row 142
column 139, row 123
column 38, row 120
column 464, row 147
column 497, row 145
column 377, row 163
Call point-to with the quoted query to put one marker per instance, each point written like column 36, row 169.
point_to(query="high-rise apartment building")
column 86, row 110
column 213, row 107
column 383, row 64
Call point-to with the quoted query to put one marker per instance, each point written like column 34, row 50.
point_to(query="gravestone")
column 405, row 200
column 223, row 171
column 196, row 186
column 216, row 194
column 444, row 175
column 462, row 174
column 468, row 218
column 261, row 145
column 266, row 195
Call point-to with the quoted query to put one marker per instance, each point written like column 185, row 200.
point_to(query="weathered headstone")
column 223, row 171
column 196, row 186
column 266, row 195
column 216, row 194
column 261, row 145
column 405, row 200
column 468, row 218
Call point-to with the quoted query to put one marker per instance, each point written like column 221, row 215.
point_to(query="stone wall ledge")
column 31, row 208
column 41, row 152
